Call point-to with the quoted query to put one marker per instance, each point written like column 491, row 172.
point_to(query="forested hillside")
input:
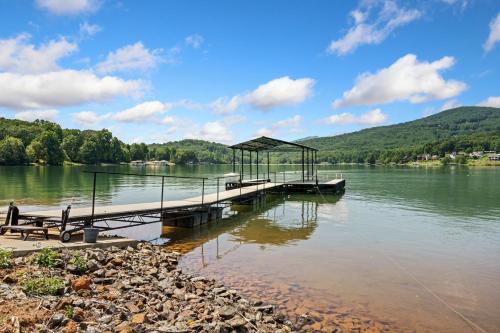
column 460, row 129
column 464, row 129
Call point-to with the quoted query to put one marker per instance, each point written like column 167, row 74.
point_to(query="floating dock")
column 188, row 212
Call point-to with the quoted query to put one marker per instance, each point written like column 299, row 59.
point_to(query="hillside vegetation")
column 460, row 129
column 463, row 129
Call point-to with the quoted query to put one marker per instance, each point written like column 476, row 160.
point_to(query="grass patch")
column 43, row 285
column 69, row 311
column 5, row 258
column 46, row 257
column 79, row 261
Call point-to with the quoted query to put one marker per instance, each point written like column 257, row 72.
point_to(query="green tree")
column 46, row 148
column 71, row 145
column 12, row 151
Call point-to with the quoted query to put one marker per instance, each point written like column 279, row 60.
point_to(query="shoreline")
column 124, row 290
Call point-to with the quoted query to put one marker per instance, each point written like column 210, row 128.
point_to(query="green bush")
column 80, row 262
column 5, row 258
column 46, row 257
column 42, row 285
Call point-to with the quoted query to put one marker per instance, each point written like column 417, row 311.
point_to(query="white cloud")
column 451, row 104
column 406, row 79
column 89, row 118
column 69, row 7
column 283, row 91
column 226, row 105
column 194, row 40
column 462, row 3
column 291, row 124
column 493, row 101
column 494, row 36
column 389, row 17
column 280, row 92
column 17, row 55
column 37, row 114
column 88, row 30
column 216, row 131
column 62, row 88
column 370, row 118
column 130, row 57
column 142, row 112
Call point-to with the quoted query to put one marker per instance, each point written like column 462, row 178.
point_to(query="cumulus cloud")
column 388, row 17
column 18, row 55
column 279, row 92
column 142, row 112
column 494, row 36
column 370, row 118
column 406, row 79
column 130, row 57
column 493, row 101
column 62, row 88
column 291, row 124
column 216, row 131
column 89, row 118
column 194, row 40
column 88, row 30
column 69, row 7
column 37, row 114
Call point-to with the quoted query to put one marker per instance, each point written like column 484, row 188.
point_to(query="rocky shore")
column 123, row 290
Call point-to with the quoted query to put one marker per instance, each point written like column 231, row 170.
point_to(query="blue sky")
column 226, row 71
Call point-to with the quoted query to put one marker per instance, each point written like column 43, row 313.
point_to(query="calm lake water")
column 403, row 248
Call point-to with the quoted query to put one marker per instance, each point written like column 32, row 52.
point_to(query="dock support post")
column 216, row 217
column 241, row 173
column 307, row 159
column 251, row 165
column 268, row 166
column 315, row 168
column 202, row 191
column 302, row 164
column 93, row 199
column 161, row 204
column 234, row 160
column 257, row 164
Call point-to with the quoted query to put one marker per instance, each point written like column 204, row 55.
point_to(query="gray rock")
column 227, row 312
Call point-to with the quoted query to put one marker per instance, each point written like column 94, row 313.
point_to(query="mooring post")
column 241, row 169
column 161, row 204
column 93, row 199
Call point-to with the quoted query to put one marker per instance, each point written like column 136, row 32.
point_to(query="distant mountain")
column 462, row 121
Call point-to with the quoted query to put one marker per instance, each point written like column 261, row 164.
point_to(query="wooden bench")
column 25, row 230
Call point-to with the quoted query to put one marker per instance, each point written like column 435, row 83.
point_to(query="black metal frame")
column 264, row 143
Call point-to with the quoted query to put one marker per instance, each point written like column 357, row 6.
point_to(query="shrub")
column 43, row 285
column 80, row 262
column 5, row 258
column 46, row 257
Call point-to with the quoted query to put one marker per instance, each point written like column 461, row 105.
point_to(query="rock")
column 219, row 290
column 132, row 307
column 78, row 314
column 237, row 322
column 116, row 262
column 139, row 318
column 93, row 265
column 265, row 308
column 70, row 327
column 56, row 320
column 10, row 279
column 227, row 312
column 72, row 268
column 82, row 283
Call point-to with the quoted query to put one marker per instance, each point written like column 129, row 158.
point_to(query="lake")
column 403, row 249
